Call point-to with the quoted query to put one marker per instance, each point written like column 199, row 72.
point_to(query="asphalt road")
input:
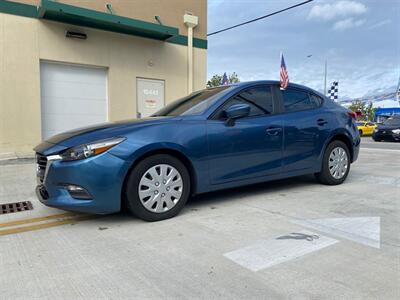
column 290, row 239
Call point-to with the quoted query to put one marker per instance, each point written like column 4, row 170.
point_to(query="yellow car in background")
column 366, row 128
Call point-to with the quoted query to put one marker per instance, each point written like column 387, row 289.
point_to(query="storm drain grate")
column 9, row 208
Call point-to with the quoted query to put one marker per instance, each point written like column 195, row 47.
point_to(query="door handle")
column 321, row 122
column 273, row 130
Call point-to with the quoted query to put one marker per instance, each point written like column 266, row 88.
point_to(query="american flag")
column 225, row 80
column 284, row 76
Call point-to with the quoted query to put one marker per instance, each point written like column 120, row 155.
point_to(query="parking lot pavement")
column 368, row 143
column 287, row 239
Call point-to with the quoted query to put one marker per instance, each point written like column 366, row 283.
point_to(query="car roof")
column 273, row 82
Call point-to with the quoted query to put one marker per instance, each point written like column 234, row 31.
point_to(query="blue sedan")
column 213, row 139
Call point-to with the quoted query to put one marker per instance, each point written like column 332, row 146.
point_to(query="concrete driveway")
column 292, row 239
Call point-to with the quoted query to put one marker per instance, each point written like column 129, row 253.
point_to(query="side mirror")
column 236, row 111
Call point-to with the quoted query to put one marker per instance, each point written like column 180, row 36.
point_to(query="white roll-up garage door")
column 71, row 97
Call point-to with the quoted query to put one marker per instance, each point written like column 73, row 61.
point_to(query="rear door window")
column 315, row 100
column 298, row 100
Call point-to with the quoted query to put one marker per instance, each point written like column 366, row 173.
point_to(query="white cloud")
column 347, row 23
column 380, row 24
column 339, row 9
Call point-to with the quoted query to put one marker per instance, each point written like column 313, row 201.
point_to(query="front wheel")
column 335, row 164
column 157, row 188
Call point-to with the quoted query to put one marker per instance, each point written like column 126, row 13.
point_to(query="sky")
column 359, row 39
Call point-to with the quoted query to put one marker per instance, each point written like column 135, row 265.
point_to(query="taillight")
column 352, row 114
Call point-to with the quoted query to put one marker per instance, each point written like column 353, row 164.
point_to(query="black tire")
column 360, row 132
column 133, row 201
column 325, row 176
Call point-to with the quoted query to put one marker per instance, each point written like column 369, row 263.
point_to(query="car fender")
column 332, row 135
column 197, row 167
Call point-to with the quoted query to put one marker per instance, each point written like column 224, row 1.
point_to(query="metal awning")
column 60, row 12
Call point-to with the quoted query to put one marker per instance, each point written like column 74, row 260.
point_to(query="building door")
column 150, row 96
column 71, row 97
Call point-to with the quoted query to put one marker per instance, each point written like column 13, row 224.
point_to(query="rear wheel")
column 335, row 164
column 361, row 132
column 158, row 188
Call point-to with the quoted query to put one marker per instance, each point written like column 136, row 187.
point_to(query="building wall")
column 24, row 42
column 170, row 11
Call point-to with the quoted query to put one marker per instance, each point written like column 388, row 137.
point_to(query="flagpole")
column 326, row 71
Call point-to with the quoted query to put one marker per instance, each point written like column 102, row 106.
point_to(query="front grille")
column 41, row 161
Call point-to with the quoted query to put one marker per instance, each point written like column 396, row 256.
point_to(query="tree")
column 367, row 110
column 216, row 80
column 233, row 78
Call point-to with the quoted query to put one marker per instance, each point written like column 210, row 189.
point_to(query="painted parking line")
column 377, row 149
column 363, row 230
column 268, row 253
column 385, row 180
column 38, row 219
column 382, row 180
column 42, row 223
column 375, row 179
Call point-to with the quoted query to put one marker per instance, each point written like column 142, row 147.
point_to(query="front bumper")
column 356, row 150
column 102, row 176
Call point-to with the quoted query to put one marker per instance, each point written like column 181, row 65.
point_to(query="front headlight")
column 396, row 131
column 91, row 149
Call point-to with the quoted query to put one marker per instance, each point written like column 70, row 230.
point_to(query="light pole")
column 325, row 74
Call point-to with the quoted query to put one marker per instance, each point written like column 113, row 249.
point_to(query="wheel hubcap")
column 160, row 188
column 338, row 162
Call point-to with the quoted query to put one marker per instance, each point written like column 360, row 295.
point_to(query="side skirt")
column 233, row 184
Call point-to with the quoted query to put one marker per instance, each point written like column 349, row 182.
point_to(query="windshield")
column 193, row 104
column 392, row 121
column 360, row 123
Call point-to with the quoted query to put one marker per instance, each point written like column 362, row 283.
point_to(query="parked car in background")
column 212, row 139
column 388, row 131
column 365, row 128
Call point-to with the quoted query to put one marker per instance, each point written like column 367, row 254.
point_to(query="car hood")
column 93, row 133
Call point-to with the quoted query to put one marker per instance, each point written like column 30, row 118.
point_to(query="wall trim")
column 18, row 9
column 65, row 13
column 182, row 40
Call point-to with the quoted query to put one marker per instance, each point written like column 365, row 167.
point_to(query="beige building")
column 70, row 63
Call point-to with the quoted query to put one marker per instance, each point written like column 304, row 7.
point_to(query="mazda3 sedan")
column 213, row 139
